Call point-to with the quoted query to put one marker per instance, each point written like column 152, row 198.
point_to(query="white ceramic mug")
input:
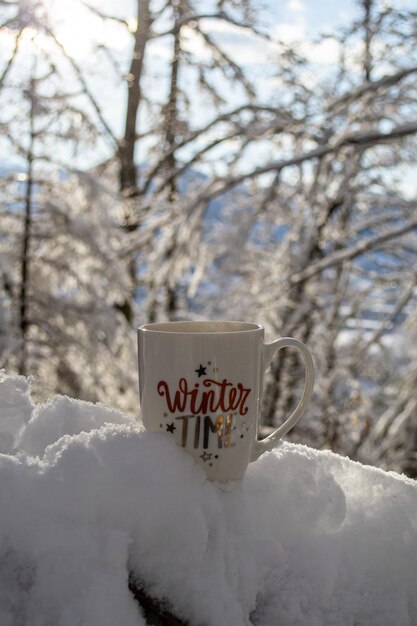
column 202, row 382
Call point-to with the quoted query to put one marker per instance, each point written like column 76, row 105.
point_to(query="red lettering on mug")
column 216, row 397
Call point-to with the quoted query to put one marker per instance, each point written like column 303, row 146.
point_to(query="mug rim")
column 202, row 327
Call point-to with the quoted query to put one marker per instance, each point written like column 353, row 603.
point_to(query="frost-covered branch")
column 372, row 243
column 12, row 57
column 388, row 80
column 365, row 140
column 86, row 89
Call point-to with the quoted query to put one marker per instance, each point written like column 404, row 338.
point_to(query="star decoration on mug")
column 201, row 371
column 206, row 456
column 171, row 427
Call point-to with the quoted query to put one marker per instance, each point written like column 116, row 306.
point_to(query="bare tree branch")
column 225, row 61
column 86, row 89
column 365, row 139
column 351, row 253
column 390, row 319
column 197, row 17
column 105, row 16
column 386, row 81
column 11, row 58
column 224, row 117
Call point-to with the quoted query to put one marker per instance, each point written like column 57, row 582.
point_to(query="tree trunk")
column 367, row 58
column 27, row 233
column 170, row 300
column 128, row 168
column 171, row 296
column 128, row 172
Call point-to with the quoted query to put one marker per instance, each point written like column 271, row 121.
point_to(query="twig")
column 386, row 81
column 12, row 57
column 364, row 140
column 351, row 253
column 79, row 74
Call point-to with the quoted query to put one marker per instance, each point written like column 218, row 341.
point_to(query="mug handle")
column 268, row 351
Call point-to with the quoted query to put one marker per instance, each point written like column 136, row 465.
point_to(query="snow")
column 306, row 538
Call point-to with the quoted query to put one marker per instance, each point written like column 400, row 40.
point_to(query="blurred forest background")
column 149, row 171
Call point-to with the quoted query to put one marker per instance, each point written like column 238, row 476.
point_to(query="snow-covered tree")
column 61, row 273
column 282, row 199
column 327, row 249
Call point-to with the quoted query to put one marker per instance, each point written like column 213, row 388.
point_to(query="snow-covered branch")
column 372, row 243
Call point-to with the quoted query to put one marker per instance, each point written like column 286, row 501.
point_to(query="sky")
column 288, row 20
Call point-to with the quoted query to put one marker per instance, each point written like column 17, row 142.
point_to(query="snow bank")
column 307, row 538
